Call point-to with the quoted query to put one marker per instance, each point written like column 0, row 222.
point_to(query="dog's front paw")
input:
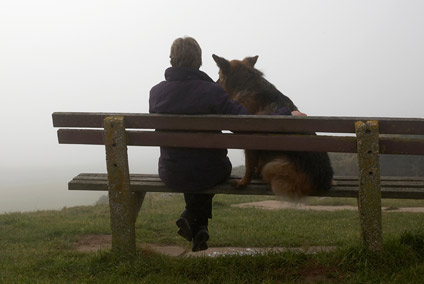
column 239, row 184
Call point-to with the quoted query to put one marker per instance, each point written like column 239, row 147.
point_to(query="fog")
column 349, row 58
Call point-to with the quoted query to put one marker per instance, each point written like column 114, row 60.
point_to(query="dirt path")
column 280, row 205
column 93, row 243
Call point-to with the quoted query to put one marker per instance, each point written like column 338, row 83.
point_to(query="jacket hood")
column 184, row 74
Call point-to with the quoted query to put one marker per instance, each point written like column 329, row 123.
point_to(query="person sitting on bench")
column 187, row 90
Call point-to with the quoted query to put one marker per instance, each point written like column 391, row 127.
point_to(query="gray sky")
column 350, row 58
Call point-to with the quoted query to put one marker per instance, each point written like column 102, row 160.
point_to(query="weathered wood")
column 124, row 204
column 249, row 123
column 401, row 146
column 369, row 194
column 386, row 178
column 337, row 179
column 392, row 187
column 281, row 142
column 248, row 132
column 80, row 136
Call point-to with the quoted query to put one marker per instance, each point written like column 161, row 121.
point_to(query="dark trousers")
column 198, row 207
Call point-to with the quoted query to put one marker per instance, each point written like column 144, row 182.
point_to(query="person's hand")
column 298, row 113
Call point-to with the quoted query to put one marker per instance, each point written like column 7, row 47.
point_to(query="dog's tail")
column 286, row 179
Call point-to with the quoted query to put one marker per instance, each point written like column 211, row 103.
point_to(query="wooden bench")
column 373, row 136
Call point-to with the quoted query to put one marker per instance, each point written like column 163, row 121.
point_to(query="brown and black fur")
column 293, row 174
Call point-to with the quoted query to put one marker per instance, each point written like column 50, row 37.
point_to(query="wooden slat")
column 385, row 178
column 80, row 136
column 217, row 140
column 341, row 180
column 315, row 143
column 245, row 141
column 151, row 183
column 402, row 146
column 393, row 184
column 241, row 122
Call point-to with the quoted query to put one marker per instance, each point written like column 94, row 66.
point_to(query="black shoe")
column 200, row 239
column 185, row 230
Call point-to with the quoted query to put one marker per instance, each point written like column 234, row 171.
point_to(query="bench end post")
column 369, row 195
column 124, row 204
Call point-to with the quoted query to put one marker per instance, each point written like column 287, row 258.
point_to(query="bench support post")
column 124, row 204
column 369, row 196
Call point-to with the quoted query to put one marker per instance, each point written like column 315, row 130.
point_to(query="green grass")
column 386, row 202
column 38, row 247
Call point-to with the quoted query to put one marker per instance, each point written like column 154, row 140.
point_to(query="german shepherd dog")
column 292, row 174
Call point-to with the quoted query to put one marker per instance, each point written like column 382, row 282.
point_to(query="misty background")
column 334, row 58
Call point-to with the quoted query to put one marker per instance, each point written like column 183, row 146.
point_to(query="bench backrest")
column 243, row 132
column 374, row 136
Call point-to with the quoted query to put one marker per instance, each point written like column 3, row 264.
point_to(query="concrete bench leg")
column 124, row 204
column 369, row 196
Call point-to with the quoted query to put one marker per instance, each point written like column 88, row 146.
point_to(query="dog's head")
column 247, row 85
column 236, row 74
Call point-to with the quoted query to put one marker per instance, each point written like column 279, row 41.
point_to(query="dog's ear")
column 222, row 63
column 251, row 61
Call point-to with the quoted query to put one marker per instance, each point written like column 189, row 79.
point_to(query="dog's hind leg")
column 250, row 161
column 285, row 179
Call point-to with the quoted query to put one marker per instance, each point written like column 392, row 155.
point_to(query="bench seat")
column 391, row 187
column 367, row 136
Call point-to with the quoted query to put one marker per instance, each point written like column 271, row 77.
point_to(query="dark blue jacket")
column 190, row 91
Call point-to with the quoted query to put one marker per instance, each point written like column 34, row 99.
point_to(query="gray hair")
column 186, row 52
